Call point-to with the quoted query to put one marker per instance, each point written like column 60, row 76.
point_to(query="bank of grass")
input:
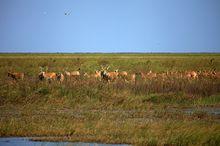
column 140, row 113
column 108, row 126
column 117, row 94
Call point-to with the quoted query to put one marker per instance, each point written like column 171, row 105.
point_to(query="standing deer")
column 16, row 75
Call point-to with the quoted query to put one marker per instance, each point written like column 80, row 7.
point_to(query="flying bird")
column 67, row 13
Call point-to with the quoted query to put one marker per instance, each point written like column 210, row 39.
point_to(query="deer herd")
column 110, row 76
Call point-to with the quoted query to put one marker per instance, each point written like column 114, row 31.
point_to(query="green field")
column 147, row 112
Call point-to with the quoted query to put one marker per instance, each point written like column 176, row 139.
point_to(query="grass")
column 138, row 113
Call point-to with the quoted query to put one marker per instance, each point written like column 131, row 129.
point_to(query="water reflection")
column 208, row 110
column 18, row 141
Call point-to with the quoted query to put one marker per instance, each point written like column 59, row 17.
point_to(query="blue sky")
column 110, row 26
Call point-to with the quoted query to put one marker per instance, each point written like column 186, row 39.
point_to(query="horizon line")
column 108, row 52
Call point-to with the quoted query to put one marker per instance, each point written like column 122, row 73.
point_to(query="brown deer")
column 48, row 76
column 191, row 75
column 60, row 77
column 72, row 74
column 16, row 75
column 96, row 75
column 113, row 75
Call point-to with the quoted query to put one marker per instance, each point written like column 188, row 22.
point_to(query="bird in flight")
column 67, row 13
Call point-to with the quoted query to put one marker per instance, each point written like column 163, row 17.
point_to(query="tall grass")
column 169, row 90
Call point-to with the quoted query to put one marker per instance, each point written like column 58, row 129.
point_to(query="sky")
column 109, row 26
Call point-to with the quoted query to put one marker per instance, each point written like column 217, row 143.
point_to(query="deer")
column 60, row 77
column 191, row 74
column 72, row 74
column 16, row 75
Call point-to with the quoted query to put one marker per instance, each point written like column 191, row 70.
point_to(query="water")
column 215, row 111
column 208, row 110
column 19, row 141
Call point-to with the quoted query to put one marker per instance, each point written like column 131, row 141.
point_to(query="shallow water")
column 19, row 141
column 215, row 111
column 208, row 110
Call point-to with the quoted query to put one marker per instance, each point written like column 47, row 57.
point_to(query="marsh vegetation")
column 149, row 111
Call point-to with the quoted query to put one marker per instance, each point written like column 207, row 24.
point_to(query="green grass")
column 129, row 62
column 138, row 113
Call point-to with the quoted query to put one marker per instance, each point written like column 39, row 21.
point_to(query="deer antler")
column 102, row 68
column 46, row 68
column 41, row 69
